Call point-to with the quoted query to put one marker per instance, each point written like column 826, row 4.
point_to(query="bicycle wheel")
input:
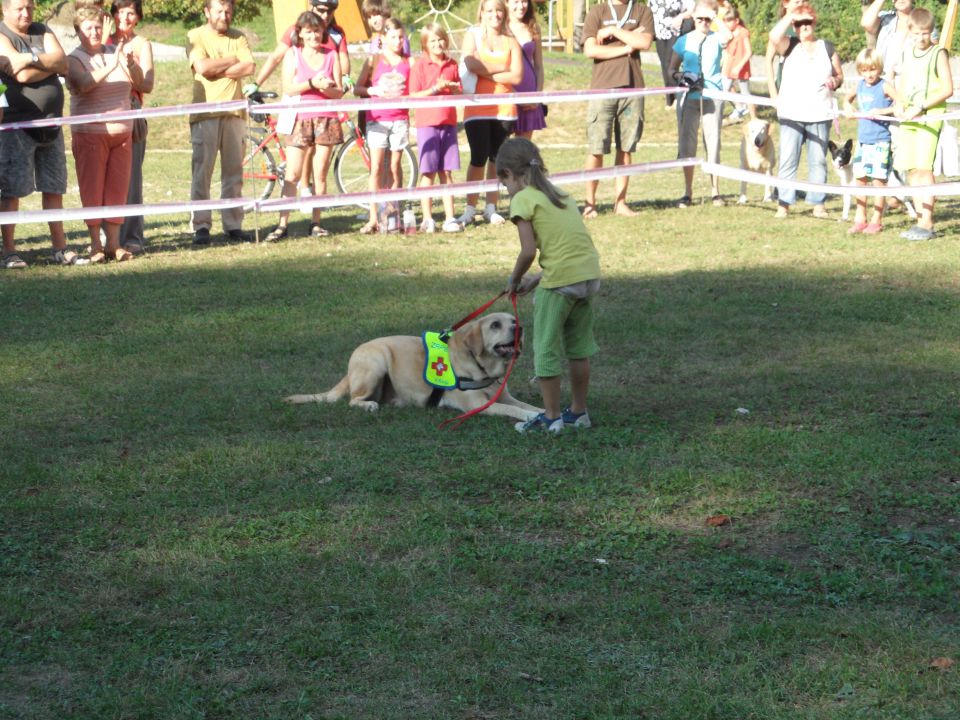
column 352, row 172
column 260, row 167
column 350, row 169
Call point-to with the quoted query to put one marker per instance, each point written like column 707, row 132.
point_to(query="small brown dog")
column 391, row 370
column 756, row 154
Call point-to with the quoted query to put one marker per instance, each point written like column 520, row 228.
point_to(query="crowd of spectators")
column 701, row 44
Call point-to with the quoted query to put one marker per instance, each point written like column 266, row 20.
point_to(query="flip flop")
column 121, row 255
column 317, row 231
column 590, row 212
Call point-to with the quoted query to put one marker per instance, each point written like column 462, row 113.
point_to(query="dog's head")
column 490, row 341
column 840, row 155
column 757, row 132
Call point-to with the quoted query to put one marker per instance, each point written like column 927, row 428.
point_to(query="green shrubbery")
column 837, row 21
column 188, row 12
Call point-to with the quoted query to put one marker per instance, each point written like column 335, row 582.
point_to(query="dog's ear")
column 848, row 145
column 832, row 147
column 472, row 336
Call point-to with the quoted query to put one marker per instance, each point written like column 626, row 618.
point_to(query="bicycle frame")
column 271, row 135
column 344, row 119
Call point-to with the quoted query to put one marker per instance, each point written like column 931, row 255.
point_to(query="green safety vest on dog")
column 437, row 368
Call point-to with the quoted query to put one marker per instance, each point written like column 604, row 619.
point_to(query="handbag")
column 139, row 132
column 468, row 79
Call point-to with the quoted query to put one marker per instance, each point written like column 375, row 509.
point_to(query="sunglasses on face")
column 802, row 23
column 704, row 19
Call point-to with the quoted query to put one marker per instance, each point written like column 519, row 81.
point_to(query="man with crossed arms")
column 220, row 58
column 614, row 34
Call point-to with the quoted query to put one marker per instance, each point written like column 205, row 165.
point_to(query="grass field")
column 178, row 543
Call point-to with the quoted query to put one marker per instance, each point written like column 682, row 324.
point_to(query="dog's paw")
column 368, row 405
column 742, row 200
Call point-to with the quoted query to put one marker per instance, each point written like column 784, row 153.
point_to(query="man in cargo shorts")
column 614, row 34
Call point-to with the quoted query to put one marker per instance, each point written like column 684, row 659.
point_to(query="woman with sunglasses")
column 811, row 73
column 696, row 64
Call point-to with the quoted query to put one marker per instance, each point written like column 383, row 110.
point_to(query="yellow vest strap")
column 437, row 367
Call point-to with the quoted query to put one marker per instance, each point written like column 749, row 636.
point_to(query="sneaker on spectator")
column 428, row 226
column 469, row 213
column 201, row 236
column 491, row 215
column 540, row 423
column 581, row 421
column 452, row 226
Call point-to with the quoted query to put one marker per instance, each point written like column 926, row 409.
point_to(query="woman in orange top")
column 494, row 55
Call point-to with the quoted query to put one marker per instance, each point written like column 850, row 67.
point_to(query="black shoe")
column 238, row 235
column 201, row 236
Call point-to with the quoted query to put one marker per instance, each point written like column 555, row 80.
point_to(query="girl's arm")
column 538, row 63
column 362, row 86
column 287, row 74
column 469, row 54
column 771, row 70
column 837, row 76
column 528, row 253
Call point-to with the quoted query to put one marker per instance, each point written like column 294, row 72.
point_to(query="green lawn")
column 178, row 543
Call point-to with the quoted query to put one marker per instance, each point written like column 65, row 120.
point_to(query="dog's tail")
column 332, row 395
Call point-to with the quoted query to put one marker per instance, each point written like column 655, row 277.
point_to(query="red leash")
column 460, row 419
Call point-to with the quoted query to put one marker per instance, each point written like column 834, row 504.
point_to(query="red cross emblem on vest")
column 439, row 367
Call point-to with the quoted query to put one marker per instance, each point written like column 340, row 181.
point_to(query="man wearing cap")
column 220, row 58
column 31, row 159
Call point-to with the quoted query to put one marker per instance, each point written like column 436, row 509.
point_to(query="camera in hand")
column 691, row 80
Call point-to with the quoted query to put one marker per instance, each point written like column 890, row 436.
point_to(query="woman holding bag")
column 126, row 15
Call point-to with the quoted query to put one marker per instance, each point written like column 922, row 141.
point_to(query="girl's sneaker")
column 581, row 421
column 540, row 423
column 451, row 225
column 428, row 226
column 469, row 213
column 491, row 215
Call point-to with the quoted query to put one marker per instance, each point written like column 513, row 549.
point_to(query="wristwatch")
column 34, row 58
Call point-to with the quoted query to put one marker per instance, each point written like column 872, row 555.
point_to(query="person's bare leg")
column 620, row 206
column 54, row 201
column 550, row 392
column 9, row 231
column 594, row 162
column 579, row 384
column 426, row 204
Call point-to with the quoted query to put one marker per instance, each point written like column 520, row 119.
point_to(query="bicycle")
column 259, row 163
column 351, row 165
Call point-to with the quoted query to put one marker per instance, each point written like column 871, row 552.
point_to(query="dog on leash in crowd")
column 841, row 157
column 757, row 155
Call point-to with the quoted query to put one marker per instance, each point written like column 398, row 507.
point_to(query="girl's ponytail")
column 522, row 158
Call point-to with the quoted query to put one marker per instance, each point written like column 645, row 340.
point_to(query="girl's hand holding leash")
column 524, row 285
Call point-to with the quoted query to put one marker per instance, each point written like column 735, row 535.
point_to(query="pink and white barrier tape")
column 327, row 201
column 349, row 105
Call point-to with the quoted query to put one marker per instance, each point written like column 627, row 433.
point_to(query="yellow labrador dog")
column 390, row 370
column 757, row 154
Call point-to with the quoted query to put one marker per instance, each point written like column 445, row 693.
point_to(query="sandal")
column 121, row 255
column 590, row 212
column 857, row 228
column 64, row 257
column 370, row 228
column 873, row 229
column 13, row 262
column 317, row 231
column 718, row 201
column 684, row 202
column 97, row 258
column 278, row 233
